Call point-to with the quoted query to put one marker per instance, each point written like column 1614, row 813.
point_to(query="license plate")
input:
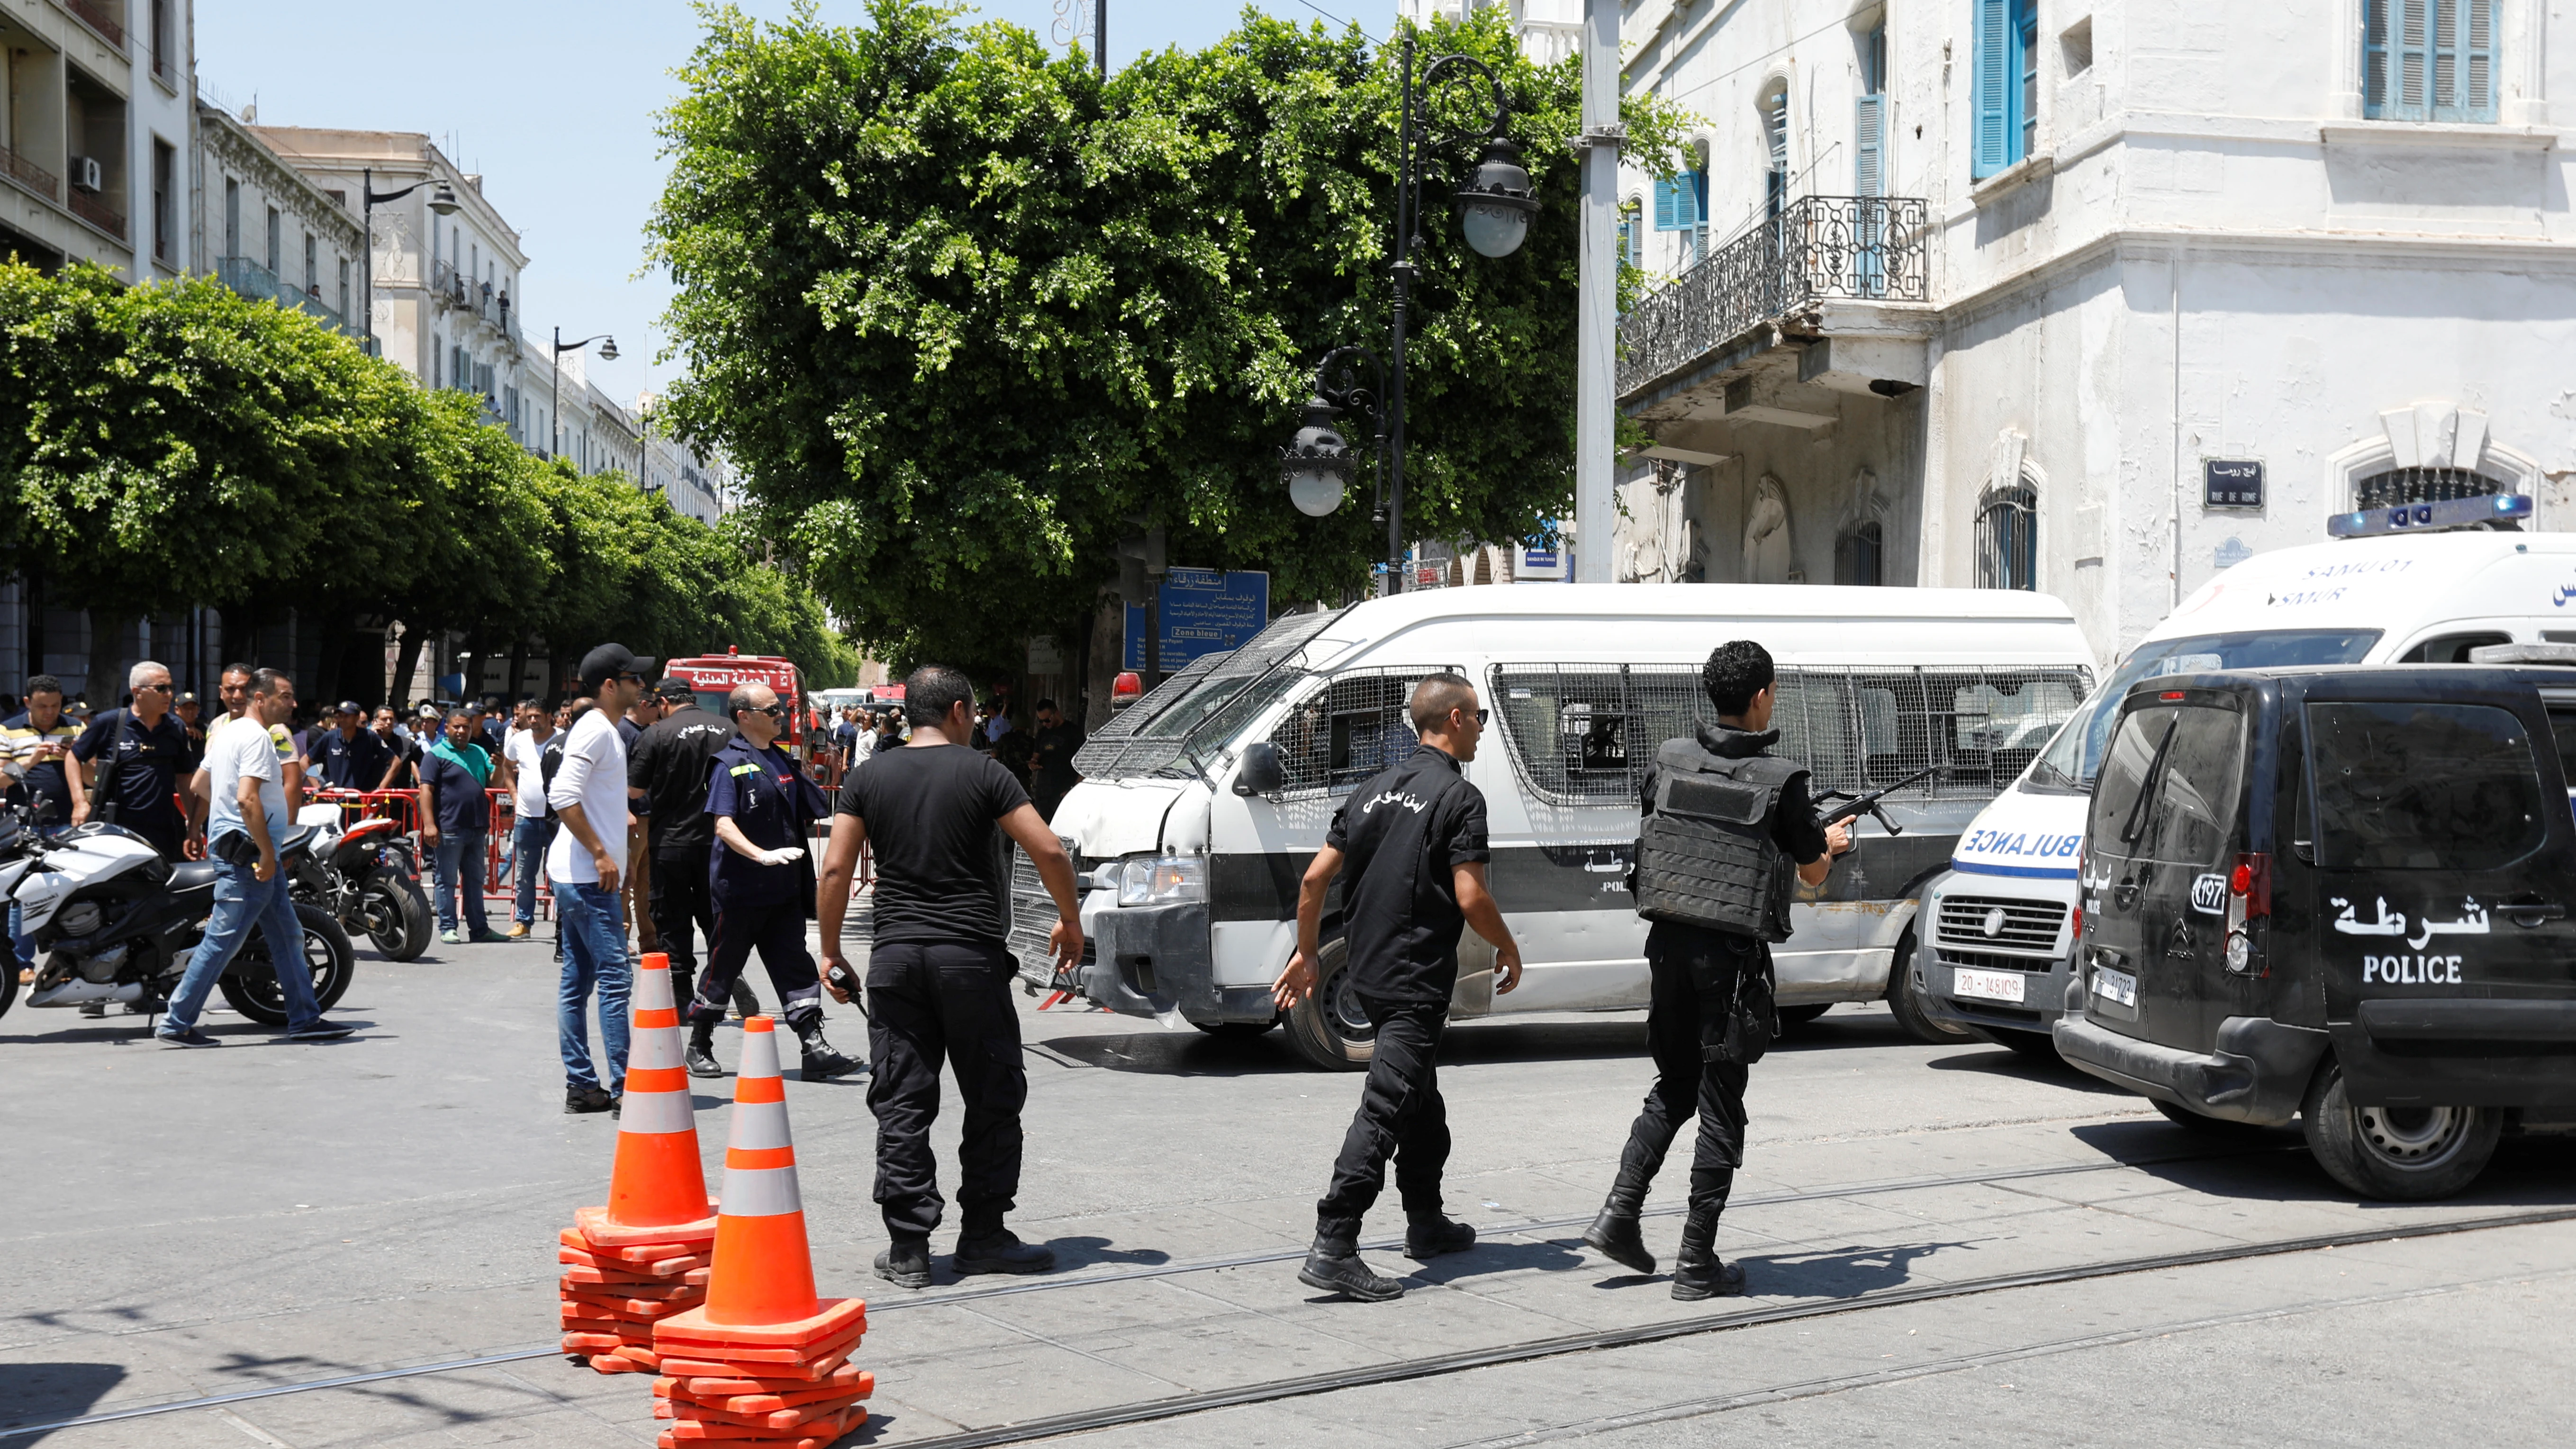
column 2117, row 986
column 1987, row 985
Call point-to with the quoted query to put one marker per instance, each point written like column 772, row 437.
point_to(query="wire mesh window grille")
column 1584, row 734
column 1353, row 727
column 1198, row 710
column 2423, row 485
column 2008, row 539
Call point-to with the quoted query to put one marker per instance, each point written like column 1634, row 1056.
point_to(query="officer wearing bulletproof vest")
column 1414, row 837
column 1725, row 828
column 763, row 885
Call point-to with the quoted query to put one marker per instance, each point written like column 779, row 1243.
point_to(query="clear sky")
column 553, row 101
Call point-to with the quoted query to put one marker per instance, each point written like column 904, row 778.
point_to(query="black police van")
column 2339, row 894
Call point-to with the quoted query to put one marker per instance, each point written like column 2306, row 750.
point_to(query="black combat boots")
column 1429, row 1237
column 985, row 1246
column 822, row 1063
column 1334, row 1265
column 700, row 1054
column 1697, row 1273
column 1614, row 1235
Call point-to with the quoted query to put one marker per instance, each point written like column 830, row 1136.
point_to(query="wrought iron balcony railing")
column 97, row 212
column 258, row 283
column 30, row 175
column 1870, row 248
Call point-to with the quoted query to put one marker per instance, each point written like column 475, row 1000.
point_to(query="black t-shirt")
column 1403, row 833
column 355, row 763
column 1057, row 745
column 148, row 762
column 669, row 763
column 931, row 815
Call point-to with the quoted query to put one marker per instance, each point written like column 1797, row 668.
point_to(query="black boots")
column 822, row 1063
column 1000, row 1251
column 906, row 1264
column 1430, row 1237
column 1334, row 1265
column 700, row 1054
column 1614, row 1236
column 1697, row 1273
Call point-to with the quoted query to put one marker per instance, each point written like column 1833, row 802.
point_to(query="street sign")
column 1044, row 657
column 1203, row 610
column 1539, row 563
column 2512, row 508
column 2231, row 483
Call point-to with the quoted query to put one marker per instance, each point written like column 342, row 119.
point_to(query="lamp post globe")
column 1498, row 200
column 443, row 200
column 608, row 350
column 1317, row 465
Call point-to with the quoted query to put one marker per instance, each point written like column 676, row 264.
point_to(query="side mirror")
column 1258, row 772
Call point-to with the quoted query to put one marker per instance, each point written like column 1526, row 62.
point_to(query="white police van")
column 2002, row 920
column 1202, row 805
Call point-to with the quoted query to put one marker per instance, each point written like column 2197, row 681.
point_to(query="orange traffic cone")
column 765, row 1359
column 642, row 1256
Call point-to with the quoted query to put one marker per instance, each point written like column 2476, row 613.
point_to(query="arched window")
column 2008, row 539
column 2423, row 485
column 1775, row 148
column 1864, row 560
column 1632, row 231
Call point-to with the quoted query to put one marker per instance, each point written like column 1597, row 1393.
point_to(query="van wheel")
column 1903, row 1000
column 2216, row 1129
column 1328, row 1028
column 2402, row 1154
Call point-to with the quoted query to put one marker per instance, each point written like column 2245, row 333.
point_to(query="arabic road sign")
column 1203, row 610
column 2231, row 482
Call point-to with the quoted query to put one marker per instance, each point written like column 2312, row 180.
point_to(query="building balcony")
column 94, row 209
column 28, row 174
column 1859, row 248
column 100, row 16
column 258, row 283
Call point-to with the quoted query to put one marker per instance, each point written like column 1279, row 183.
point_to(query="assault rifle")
column 1865, row 803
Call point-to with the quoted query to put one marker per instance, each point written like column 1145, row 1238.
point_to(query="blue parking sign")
column 1203, row 611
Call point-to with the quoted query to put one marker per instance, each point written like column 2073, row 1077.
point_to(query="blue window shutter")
column 1699, row 198
column 2446, row 58
column 2477, row 61
column 1666, row 212
column 2410, row 57
column 1869, row 131
column 1991, row 88
column 2374, row 59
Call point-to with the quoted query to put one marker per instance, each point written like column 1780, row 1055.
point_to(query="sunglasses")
column 774, row 711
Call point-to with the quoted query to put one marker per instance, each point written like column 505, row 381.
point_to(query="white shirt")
column 592, row 776
column 526, row 754
column 232, row 755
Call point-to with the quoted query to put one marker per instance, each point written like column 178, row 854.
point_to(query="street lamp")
column 554, row 422
column 1497, row 204
column 443, row 201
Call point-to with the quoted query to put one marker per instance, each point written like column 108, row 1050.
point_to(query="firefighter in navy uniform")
column 762, row 806
column 1414, row 837
column 1725, row 828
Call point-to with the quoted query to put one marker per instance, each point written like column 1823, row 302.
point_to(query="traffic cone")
column 644, row 1254
column 763, row 1360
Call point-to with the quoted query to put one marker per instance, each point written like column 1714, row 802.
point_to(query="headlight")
column 1158, row 880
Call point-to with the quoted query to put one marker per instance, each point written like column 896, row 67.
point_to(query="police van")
column 2342, row 894
column 2001, row 921
column 1201, row 807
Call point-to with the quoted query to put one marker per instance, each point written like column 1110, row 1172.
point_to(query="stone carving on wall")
column 1656, row 543
column 1768, row 555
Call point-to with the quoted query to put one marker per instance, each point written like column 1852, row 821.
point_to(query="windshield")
column 1210, row 738
column 2074, row 758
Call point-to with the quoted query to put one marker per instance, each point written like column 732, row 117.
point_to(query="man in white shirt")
column 249, row 813
column 587, row 863
column 530, row 831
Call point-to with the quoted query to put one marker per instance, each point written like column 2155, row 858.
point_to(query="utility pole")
column 1100, row 36
column 1597, row 295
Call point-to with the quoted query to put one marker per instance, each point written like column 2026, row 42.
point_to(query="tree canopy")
column 963, row 313
column 176, row 444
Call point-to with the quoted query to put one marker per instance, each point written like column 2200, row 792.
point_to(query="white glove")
column 788, row 856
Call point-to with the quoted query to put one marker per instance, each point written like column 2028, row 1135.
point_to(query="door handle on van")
column 2528, row 911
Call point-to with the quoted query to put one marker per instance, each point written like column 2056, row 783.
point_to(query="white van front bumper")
column 1995, row 963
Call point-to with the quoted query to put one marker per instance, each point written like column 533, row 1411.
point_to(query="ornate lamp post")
column 1497, row 206
column 554, row 424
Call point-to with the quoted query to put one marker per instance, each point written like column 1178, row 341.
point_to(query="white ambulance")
column 2001, row 922
column 1201, row 806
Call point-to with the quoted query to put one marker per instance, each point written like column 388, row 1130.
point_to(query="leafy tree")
column 960, row 311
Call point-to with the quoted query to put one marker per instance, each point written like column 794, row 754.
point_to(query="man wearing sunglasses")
column 1414, row 838
column 134, row 757
column 763, row 883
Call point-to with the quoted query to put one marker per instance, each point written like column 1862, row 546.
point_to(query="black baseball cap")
column 351, row 706
column 609, row 661
column 675, row 688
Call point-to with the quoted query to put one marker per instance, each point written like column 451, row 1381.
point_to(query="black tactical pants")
column 778, row 930
column 929, row 1002
column 682, row 904
column 1694, row 977
column 1401, row 1115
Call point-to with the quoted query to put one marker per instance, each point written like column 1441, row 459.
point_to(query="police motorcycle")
column 2339, row 895
column 367, row 877
column 114, row 923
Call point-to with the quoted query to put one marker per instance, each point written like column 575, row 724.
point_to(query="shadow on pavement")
column 1073, row 1253
column 1999, row 1061
column 1192, row 1053
column 1492, row 1256
column 1839, row 1272
column 40, row 1393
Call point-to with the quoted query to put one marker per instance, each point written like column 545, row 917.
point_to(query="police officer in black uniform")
column 1725, row 828
column 1414, row 837
column 671, row 762
column 762, row 806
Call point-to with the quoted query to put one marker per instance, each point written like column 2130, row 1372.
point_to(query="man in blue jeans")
column 456, row 824
column 248, row 815
column 531, row 829
column 587, row 864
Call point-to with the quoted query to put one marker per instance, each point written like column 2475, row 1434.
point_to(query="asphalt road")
column 179, row 1224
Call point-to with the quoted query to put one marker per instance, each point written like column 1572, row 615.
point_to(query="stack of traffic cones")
column 645, row 1254
column 765, row 1362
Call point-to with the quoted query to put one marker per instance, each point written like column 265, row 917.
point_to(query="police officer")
column 1414, row 837
column 1725, row 828
column 762, row 806
column 671, row 762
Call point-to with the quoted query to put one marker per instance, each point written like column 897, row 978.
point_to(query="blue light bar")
column 2412, row 517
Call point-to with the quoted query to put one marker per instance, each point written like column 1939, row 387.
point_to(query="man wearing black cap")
column 349, row 755
column 586, row 863
column 669, row 763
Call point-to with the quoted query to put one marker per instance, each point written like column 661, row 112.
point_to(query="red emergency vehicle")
column 713, row 677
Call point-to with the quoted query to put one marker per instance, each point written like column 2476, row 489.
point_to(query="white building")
column 267, row 231
column 1550, row 30
column 699, row 485
column 1989, row 285
column 96, row 106
column 446, row 282
column 592, row 431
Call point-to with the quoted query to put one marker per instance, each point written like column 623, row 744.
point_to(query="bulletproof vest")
column 1706, row 856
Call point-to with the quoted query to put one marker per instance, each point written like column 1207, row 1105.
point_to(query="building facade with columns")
column 2095, row 297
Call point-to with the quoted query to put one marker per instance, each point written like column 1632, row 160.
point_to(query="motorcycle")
column 366, row 876
column 116, row 923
